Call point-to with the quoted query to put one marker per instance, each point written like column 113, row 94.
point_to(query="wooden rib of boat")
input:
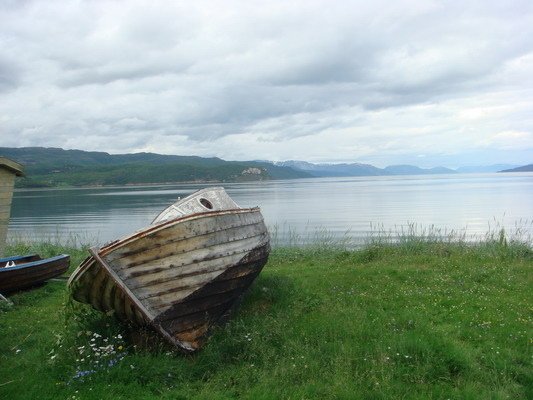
column 21, row 272
column 182, row 274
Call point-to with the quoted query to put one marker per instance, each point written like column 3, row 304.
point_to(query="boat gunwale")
column 18, row 258
column 35, row 263
column 107, row 248
column 197, row 235
column 78, row 272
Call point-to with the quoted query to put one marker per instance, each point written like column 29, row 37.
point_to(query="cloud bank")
column 425, row 82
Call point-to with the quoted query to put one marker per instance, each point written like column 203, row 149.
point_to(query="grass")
column 419, row 319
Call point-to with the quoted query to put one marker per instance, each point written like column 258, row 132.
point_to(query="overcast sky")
column 384, row 82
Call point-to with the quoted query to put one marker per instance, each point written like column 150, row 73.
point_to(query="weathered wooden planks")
column 180, row 276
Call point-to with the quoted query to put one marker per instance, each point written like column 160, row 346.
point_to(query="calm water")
column 295, row 210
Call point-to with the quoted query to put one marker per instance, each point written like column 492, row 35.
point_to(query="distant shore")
column 122, row 185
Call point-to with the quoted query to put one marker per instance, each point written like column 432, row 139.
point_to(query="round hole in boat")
column 206, row 203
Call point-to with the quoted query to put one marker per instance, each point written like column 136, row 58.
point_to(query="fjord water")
column 296, row 211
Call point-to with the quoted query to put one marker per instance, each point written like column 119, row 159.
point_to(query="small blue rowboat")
column 20, row 272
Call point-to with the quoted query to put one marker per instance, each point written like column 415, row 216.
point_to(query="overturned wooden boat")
column 182, row 274
column 21, row 272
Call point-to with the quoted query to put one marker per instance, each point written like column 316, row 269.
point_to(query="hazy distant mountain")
column 485, row 168
column 412, row 170
column 358, row 169
column 524, row 168
column 58, row 167
column 355, row 169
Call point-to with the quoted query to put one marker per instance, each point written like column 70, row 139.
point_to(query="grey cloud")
column 103, row 76
column 9, row 75
column 204, row 72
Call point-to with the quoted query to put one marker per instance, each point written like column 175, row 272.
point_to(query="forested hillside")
column 49, row 167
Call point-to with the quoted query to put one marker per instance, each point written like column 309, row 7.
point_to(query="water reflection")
column 295, row 209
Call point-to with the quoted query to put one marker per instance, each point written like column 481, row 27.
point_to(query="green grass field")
column 410, row 321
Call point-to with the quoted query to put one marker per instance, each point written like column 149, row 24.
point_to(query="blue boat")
column 21, row 272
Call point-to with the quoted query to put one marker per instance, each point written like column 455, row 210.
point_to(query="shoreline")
column 199, row 182
column 69, row 187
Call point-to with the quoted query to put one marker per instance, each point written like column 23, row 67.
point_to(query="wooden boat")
column 182, row 274
column 21, row 272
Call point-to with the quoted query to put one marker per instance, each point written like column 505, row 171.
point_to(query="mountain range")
column 358, row 169
column 524, row 168
column 50, row 167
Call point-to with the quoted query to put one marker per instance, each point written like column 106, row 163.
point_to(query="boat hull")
column 181, row 276
column 30, row 271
